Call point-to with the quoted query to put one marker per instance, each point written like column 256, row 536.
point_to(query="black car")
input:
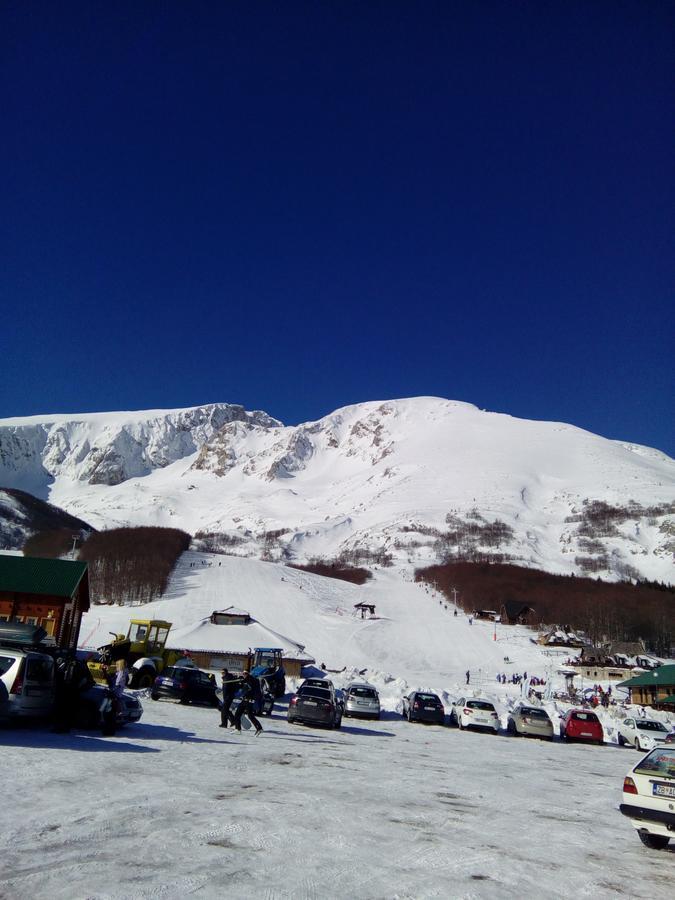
column 316, row 706
column 91, row 704
column 185, row 684
column 421, row 706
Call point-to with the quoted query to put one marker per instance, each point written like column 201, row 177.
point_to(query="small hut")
column 513, row 612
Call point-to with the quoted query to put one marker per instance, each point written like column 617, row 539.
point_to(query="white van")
column 28, row 676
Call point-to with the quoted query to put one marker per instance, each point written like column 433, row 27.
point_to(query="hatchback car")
column 643, row 734
column 361, row 700
column 649, row 797
column 185, row 684
column 91, row 703
column 581, row 725
column 423, row 706
column 315, row 706
column 531, row 721
column 28, row 676
column 475, row 712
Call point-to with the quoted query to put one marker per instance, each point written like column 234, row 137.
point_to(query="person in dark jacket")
column 65, row 692
column 247, row 706
column 230, row 686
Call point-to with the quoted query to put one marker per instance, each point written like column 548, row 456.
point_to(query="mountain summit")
column 412, row 481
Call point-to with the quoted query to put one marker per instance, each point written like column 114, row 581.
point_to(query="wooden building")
column 513, row 612
column 52, row 593
column 655, row 688
column 227, row 638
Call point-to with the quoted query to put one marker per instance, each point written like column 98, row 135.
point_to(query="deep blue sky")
column 296, row 206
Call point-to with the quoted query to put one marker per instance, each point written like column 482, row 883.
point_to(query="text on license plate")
column 310, row 702
column 664, row 790
column 430, row 707
column 586, row 734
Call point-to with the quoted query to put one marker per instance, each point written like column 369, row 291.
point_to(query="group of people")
column 601, row 697
column 250, row 692
column 71, row 679
column 515, row 678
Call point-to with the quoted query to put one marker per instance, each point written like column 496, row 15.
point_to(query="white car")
column 475, row 712
column 649, row 797
column 643, row 734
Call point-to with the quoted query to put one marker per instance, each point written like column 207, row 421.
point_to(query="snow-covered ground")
column 175, row 806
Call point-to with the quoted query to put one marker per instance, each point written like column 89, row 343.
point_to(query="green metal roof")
column 662, row 675
column 670, row 699
column 29, row 575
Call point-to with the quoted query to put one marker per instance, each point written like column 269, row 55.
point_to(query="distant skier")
column 468, row 676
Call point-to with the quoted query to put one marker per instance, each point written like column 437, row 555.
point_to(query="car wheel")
column 145, row 678
column 638, row 745
column 621, row 740
column 511, row 728
column 653, row 841
column 154, row 695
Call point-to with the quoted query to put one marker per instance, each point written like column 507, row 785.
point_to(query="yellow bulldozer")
column 143, row 648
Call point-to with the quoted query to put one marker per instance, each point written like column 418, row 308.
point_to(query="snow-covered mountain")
column 413, row 480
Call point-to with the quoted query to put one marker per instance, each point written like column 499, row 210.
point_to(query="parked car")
column 317, row 682
column 4, row 704
column 649, row 797
column 89, row 714
column 315, row 706
column 643, row 734
column 185, row 684
column 361, row 699
column 531, row 721
column 423, row 706
column 28, row 676
column 475, row 712
column 581, row 725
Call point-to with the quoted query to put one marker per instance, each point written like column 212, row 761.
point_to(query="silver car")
column 361, row 699
column 28, row 677
column 532, row 721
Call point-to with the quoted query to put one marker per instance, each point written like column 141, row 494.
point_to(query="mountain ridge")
column 413, row 481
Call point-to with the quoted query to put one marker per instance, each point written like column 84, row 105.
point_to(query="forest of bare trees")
column 606, row 611
column 132, row 565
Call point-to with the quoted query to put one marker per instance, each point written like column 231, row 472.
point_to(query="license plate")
column 430, row 707
column 586, row 734
column 311, row 703
column 664, row 790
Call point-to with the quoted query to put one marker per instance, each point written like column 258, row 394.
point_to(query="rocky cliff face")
column 110, row 449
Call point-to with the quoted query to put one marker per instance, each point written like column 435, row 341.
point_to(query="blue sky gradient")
column 298, row 206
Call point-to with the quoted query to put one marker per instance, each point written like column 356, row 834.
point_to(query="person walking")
column 230, row 685
column 468, row 676
column 246, row 705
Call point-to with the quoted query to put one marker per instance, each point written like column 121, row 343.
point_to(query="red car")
column 581, row 725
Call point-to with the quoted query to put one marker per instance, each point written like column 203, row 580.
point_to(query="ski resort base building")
column 51, row 593
column 226, row 640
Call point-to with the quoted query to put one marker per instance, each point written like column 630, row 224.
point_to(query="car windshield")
column 6, row 663
column 585, row 716
column 659, row 762
column 652, row 726
column 480, row 704
column 428, row 698
column 370, row 693
column 534, row 713
column 318, row 693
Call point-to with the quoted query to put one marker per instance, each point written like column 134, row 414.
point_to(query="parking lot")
column 175, row 805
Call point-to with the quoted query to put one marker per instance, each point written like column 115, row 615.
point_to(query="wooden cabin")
column 654, row 688
column 51, row 593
